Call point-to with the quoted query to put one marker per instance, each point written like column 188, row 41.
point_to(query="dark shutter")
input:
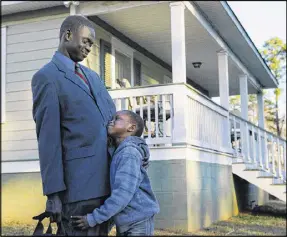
column 105, row 62
column 137, row 72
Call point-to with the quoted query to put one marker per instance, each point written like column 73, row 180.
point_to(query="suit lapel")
column 70, row 75
column 94, row 83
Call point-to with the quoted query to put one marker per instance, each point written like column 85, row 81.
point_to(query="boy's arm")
column 128, row 173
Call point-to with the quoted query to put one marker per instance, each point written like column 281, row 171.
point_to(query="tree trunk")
column 277, row 117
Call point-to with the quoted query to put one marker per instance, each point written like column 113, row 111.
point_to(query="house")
column 165, row 60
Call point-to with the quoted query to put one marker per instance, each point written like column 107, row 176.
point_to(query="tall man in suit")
column 71, row 108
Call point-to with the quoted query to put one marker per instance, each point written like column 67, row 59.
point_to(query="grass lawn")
column 243, row 224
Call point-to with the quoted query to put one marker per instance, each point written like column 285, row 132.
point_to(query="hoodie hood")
column 139, row 144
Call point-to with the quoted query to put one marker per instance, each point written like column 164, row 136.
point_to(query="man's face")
column 120, row 125
column 80, row 43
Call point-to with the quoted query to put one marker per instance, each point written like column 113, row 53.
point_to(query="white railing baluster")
column 253, row 145
column 134, row 104
column 164, row 115
column 272, row 155
column 235, row 136
column 171, row 113
column 243, row 139
column 156, row 115
column 259, row 148
column 126, row 103
column 141, row 108
column 148, row 117
column 266, row 154
column 247, row 142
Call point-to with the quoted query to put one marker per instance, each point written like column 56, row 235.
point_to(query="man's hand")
column 80, row 222
column 54, row 206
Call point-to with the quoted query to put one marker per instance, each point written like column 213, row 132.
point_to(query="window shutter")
column 137, row 72
column 105, row 61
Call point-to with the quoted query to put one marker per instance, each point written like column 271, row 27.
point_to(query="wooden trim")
column 98, row 21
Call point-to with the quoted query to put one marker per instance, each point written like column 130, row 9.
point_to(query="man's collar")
column 69, row 63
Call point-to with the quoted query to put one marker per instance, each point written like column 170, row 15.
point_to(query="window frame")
column 124, row 49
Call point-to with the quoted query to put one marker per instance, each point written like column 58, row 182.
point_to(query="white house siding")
column 30, row 45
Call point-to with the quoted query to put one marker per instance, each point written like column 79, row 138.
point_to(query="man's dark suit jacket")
column 71, row 130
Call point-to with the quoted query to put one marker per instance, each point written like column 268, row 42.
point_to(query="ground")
column 243, row 224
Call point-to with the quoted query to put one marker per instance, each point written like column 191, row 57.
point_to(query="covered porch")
column 202, row 56
column 187, row 43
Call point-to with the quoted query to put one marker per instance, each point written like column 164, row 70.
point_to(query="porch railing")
column 176, row 114
column 154, row 105
column 258, row 146
column 206, row 123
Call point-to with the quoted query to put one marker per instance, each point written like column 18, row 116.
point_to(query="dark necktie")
column 78, row 71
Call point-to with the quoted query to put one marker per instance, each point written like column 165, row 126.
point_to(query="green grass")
column 243, row 224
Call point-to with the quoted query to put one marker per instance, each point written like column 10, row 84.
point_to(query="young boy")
column 132, row 203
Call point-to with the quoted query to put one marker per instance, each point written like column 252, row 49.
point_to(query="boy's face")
column 121, row 125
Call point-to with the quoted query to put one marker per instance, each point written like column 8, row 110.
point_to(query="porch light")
column 196, row 64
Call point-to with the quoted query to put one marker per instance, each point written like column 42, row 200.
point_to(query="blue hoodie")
column 132, row 199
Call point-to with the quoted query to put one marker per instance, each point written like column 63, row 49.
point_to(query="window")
column 3, row 73
column 125, row 67
column 123, row 62
column 122, row 67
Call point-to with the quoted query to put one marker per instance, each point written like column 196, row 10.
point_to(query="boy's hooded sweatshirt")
column 132, row 199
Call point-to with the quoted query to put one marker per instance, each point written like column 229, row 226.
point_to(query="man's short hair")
column 135, row 118
column 74, row 23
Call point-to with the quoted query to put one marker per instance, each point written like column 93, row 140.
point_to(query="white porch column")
column 243, row 96
column 223, row 79
column 244, row 131
column 260, row 110
column 178, row 41
column 73, row 6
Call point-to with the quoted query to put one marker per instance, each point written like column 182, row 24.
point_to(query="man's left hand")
column 80, row 222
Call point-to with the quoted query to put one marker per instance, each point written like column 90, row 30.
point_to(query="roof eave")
column 241, row 29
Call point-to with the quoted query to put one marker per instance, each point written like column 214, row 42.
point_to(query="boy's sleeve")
column 127, row 177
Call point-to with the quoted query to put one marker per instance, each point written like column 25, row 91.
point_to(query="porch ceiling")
column 149, row 26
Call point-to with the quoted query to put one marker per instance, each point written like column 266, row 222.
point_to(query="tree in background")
column 274, row 54
column 234, row 102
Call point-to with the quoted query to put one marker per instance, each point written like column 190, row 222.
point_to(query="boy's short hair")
column 135, row 118
column 74, row 23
